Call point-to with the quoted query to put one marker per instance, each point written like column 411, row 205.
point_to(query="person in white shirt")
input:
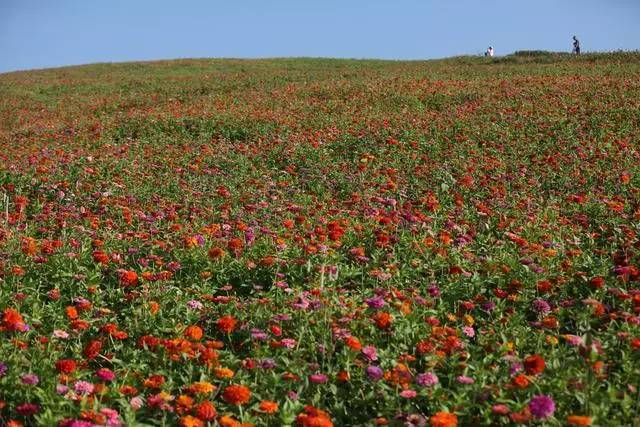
column 489, row 51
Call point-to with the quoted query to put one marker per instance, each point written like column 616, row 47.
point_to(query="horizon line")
column 266, row 58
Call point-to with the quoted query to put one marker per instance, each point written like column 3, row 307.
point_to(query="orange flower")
column 268, row 407
column 267, row 261
column 444, row 419
column 236, row 394
column 129, row 278
column 17, row 270
column 154, row 381
column 227, row 421
column 223, row 373
column 29, row 246
column 202, row 387
column 71, row 312
column 206, row 411
column 382, row 320
column 353, row 343
column 189, row 421
column 12, row 319
column 193, row 333
column 154, row 307
column 101, row 257
column 235, row 244
column 343, row 376
column 226, row 324
column 313, row 417
column 215, row 253
column 578, row 420
column 521, row 381
column 184, row 403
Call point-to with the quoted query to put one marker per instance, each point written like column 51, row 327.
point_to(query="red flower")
column 101, row 257
column 521, row 381
column 65, row 366
column 597, row 282
column 534, row 364
column 92, row 350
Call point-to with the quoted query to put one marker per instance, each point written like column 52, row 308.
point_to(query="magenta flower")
column 318, row 378
column 374, row 372
column 375, row 302
column 29, row 379
column 27, row 409
column 105, row 374
column 542, row 406
column 541, row 306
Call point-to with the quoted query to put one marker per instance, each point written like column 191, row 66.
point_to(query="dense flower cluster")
column 319, row 243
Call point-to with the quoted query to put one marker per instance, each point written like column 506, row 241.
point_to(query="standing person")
column 489, row 51
column 576, row 45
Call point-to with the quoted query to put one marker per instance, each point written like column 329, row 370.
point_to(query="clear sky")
column 48, row 33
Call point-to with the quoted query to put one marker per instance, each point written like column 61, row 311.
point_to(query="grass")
column 352, row 242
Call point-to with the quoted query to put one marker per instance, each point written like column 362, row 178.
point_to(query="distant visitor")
column 489, row 51
column 576, row 45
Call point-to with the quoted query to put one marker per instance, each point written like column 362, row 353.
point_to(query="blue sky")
column 48, row 33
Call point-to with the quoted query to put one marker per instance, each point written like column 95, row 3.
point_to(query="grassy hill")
column 322, row 242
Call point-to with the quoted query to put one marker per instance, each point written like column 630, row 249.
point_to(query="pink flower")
column 469, row 331
column 369, row 353
column 428, row 379
column 83, row 387
column 463, row 379
column 573, row 339
column 288, row 343
column 500, row 409
column 136, row 402
column 408, row 394
column 57, row 333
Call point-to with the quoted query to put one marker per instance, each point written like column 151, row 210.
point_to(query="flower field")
column 321, row 243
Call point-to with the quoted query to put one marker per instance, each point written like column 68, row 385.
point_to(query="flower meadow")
column 305, row 242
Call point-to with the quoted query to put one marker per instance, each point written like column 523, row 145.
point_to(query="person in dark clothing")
column 576, row 45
